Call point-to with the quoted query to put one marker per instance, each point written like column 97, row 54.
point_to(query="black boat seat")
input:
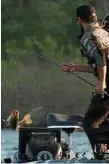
column 55, row 119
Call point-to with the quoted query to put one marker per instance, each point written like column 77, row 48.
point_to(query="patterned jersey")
column 97, row 54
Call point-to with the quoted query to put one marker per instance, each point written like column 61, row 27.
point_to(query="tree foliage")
column 46, row 27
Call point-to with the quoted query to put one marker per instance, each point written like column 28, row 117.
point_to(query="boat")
column 39, row 144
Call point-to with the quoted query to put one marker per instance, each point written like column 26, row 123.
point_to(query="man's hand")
column 100, row 87
column 68, row 67
column 65, row 68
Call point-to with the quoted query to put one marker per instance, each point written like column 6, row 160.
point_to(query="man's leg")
column 95, row 116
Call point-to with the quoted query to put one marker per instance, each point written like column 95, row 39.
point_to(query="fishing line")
column 59, row 65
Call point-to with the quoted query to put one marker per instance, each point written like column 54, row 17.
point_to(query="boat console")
column 42, row 144
column 46, row 143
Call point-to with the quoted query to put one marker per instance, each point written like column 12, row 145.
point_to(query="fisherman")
column 14, row 122
column 95, row 47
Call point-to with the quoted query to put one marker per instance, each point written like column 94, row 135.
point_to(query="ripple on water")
column 9, row 140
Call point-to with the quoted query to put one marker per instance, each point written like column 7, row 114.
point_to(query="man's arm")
column 102, row 74
column 102, row 69
column 69, row 67
column 100, row 62
column 81, row 68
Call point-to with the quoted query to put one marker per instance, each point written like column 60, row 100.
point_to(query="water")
column 9, row 143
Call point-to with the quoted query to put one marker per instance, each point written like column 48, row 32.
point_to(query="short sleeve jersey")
column 91, row 48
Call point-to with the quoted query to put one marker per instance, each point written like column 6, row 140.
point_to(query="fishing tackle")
column 59, row 65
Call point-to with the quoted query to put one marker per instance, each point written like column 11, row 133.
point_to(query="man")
column 98, row 64
column 14, row 122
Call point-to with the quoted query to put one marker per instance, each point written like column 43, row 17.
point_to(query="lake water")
column 9, row 143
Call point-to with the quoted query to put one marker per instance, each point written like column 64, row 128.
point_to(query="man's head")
column 86, row 15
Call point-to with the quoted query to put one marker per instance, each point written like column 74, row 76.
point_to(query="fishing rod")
column 59, row 65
